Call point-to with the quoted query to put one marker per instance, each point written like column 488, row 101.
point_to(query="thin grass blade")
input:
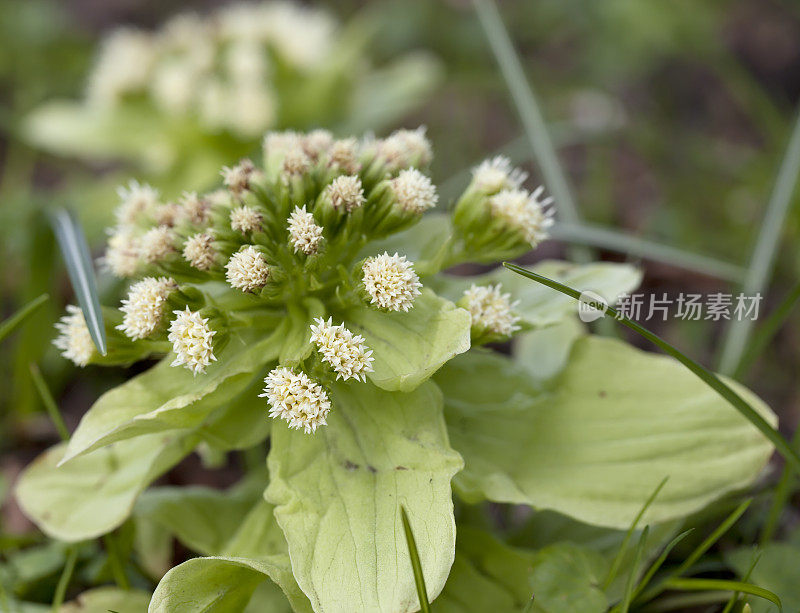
column 763, row 257
column 780, row 496
column 66, row 577
column 724, row 390
column 49, row 402
column 615, row 564
column 79, row 267
column 13, row 322
column 702, row 585
column 627, row 598
column 735, row 596
column 655, row 566
column 416, row 565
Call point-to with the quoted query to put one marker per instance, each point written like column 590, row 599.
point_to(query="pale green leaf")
column 539, row 305
column 596, row 442
column 105, row 599
column 94, row 494
column 544, row 352
column 410, row 347
column 425, row 241
column 776, row 570
column 565, row 579
column 486, row 576
column 166, row 397
column 338, row 494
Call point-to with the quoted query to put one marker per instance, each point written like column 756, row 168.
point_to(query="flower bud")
column 390, row 282
column 191, row 339
column 74, row 340
column 492, row 313
column 297, row 399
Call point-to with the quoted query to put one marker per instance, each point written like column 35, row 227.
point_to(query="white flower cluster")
column 247, row 269
column 199, row 250
column 497, row 174
column 491, row 309
column 304, row 234
column 74, row 339
column 524, row 212
column 191, row 339
column 143, row 309
column 297, row 399
column 346, row 193
column 391, row 282
column 246, row 219
column 217, row 67
column 342, row 350
column 415, row 192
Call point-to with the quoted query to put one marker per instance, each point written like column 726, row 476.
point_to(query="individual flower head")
column 195, row 209
column 342, row 350
column 524, row 212
column 346, row 193
column 390, row 282
column 199, row 251
column 73, row 338
column 343, row 156
column 491, row 310
column 316, row 143
column 122, row 254
column 247, row 269
column 167, row 214
column 414, row 191
column 304, row 233
column 246, row 219
column 237, row 178
column 143, row 309
column 135, row 200
column 496, row 174
column 406, row 148
column 191, row 339
column 157, row 244
column 297, row 399
column 296, row 162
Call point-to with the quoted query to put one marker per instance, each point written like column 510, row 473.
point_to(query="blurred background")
column 671, row 122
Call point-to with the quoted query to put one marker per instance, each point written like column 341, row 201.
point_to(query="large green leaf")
column 486, row 576
column 410, row 347
column 539, row 305
column 94, row 494
column 105, row 599
column 338, row 495
column 545, row 351
column 596, row 442
column 565, row 579
column 776, row 570
column 165, row 397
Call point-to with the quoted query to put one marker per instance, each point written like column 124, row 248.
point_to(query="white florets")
column 415, row 192
column 404, row 148
column 135, row 200
column 237, row 178
column 492, row 310
column 245, row 219
column 346, row 193
column 191, row 339
column 247, row 269
column 304, row 234
column 316, row 143
column 524, row 212
column 296, row 162
column 342, row 350
column 391, row 282
column 343, row 155
column 73, row 338
column 195, row 209
column 122, row 254
column 496, row 174
column 144, row 307
column 122, row 67
column 157, row 244
column 297, row 399
column 280, row 143
column 199, row 251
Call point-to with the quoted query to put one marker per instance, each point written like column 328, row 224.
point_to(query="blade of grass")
column 115, row 562
column 615, row 564
column 416, row 565
column 767, row 331
column 735, row 596
column 763, row 257
column 655, row 566
column 713, row 381
column 66, row 577
column 627, row 598
column 49, row 402
column 13, row 322
column 780, row 497
column 684, row 602
column 529, row 112
column 621, row 242
column 698, row 552
column 702, row 585
column 79, row 267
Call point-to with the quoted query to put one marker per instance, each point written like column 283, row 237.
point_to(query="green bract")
column 317, row 276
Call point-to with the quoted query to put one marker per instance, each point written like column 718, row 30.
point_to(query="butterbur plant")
column 301, row 311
